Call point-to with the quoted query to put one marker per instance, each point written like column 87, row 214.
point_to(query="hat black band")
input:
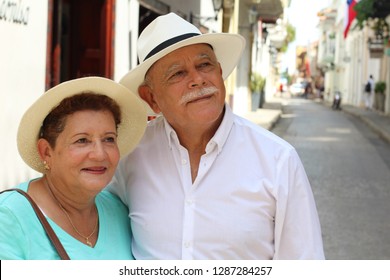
column 170, row 42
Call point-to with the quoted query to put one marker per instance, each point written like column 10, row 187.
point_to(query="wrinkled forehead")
column 205, row 50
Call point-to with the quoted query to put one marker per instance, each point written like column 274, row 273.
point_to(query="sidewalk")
column 268, row 115
column 272, row 111
column 377, row 121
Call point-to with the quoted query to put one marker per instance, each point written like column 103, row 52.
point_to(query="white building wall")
column 122, row 38
column 126, row 36
column 241, row 101
column 23, row 31
column 360, row 67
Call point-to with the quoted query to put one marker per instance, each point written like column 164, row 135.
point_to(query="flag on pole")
column 350, row 16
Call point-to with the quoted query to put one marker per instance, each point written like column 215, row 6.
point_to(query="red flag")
column 350, row 16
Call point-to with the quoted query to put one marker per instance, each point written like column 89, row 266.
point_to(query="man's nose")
column 196, row 79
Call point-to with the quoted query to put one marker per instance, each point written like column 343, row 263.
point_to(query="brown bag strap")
column 49, row 230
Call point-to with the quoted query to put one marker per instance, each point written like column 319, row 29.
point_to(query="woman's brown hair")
column 55, row 121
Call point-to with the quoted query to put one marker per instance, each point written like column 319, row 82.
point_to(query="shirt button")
column 183, row 161
column 189, row 201
column 187, row 244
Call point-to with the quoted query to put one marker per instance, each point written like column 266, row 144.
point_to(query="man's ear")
column 220, row 68
column 145, row 92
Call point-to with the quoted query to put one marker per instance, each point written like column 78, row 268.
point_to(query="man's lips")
column 200, row 98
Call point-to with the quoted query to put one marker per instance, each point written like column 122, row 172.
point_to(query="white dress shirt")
column 251, row 198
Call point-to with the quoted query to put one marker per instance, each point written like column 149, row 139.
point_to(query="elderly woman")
column 74, row 134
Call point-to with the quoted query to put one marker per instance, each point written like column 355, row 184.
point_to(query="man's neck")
column 195, row 140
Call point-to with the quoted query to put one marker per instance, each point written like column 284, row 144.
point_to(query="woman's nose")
column 98, row 151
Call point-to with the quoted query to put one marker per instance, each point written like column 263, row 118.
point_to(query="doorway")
column 150, row 10
column 80, row 40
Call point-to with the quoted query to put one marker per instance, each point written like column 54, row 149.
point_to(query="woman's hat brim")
column 130, row 131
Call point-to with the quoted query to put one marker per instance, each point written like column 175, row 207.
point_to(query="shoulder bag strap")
column 49, row 230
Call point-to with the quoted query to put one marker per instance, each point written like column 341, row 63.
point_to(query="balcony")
column 267, row 10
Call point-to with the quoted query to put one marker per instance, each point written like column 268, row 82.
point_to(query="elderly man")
column 205, row 183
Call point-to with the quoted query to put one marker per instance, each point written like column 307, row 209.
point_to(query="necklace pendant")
column 88, row 243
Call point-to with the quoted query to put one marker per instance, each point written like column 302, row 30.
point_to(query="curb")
column 266, row 118
column 383, row 134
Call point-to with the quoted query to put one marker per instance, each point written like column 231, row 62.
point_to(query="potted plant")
column 379, row 89
column 257, row 83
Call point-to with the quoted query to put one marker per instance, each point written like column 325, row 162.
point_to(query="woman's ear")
column 44, row 149
column 146, row 93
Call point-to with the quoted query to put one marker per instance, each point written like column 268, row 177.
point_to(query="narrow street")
column 349, row 169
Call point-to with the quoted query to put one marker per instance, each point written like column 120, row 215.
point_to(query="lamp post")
column 252, row 15
column 217, row 4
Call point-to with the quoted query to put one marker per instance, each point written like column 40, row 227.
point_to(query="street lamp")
column 253, row 11
column 217, row 5
column 252, row 15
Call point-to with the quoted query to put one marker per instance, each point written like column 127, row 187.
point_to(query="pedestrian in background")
column 74, row 135
column 369, row 93
column 205, row 183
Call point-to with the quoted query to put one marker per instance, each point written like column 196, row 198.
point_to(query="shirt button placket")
column 188, row 229
column 188, row 213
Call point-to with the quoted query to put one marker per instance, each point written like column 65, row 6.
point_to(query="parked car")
column 297, row 89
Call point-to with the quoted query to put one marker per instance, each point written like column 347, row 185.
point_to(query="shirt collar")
column 222, row 133
column 219, row 138
column 171, row 133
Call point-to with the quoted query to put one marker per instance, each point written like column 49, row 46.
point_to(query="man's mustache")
column 194, row 94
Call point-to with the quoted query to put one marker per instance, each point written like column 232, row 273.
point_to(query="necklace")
column 70, row 220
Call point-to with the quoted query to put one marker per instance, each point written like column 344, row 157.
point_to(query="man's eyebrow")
column 171, row 69
column 203, row 55
column 174, row 67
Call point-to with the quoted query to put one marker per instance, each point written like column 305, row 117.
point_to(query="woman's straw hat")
column 130, row 130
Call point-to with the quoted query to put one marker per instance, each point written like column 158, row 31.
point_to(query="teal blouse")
column 23, row 237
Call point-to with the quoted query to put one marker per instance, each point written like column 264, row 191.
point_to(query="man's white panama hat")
column 171, row 32
column 130, row 130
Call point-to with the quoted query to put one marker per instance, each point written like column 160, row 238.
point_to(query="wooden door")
column 81, row 39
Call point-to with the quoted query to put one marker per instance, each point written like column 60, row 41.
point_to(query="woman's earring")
column 46, row 165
